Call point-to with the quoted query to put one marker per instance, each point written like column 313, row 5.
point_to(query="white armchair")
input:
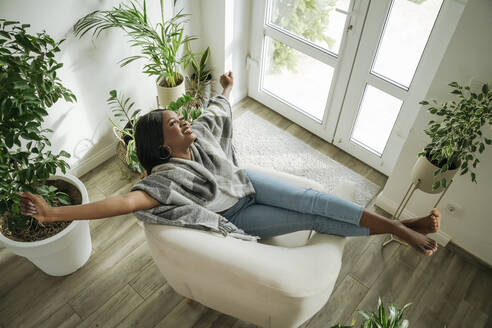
column 277, row 282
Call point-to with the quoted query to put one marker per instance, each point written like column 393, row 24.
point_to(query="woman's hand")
column 35, row 206
column 227, row 80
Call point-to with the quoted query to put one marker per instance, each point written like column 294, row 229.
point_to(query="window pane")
column 406, row 32
column 377, row 115
column 314, row 20
column 297, row 78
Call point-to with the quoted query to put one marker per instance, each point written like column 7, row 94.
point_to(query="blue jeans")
column 278, row 208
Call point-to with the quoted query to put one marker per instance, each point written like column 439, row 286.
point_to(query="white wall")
column 224, row 26
column 467, row 57
column 239, row 47
column 90, row 71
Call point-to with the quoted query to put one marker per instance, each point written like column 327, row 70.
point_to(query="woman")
column 194, row 180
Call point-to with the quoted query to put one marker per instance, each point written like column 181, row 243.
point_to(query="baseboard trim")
column 390, row 206
column 86, row 164
column 470, row 257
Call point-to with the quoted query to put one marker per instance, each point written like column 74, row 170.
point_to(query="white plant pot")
column 168, row 95
column 424, row 170
column 63, row 253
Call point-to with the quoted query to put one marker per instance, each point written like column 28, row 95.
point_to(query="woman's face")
column 177, row 132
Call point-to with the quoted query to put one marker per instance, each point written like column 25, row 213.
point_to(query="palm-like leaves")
column 159, row 45
column 121, row 106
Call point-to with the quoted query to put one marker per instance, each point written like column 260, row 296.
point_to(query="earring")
column 164, row 153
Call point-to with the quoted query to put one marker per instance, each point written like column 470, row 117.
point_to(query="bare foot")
column 426, row 224
column 421, row 243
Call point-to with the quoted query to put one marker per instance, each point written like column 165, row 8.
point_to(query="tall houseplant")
column 28, row 76
column 160, row 44
column 457, row 138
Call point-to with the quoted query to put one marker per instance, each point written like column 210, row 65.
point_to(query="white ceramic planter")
column 424, row 170
column 64, row 252
column 167, row 95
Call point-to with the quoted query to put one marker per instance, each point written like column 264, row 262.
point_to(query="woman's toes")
column 432, row 245
column 428, row 252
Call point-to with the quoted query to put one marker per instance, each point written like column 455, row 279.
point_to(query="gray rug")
column 261, row 143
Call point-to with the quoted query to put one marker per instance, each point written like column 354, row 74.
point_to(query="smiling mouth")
column 187, row 131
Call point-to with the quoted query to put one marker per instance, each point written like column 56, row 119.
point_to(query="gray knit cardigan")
column 183, row 186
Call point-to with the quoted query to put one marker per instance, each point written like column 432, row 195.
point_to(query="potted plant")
column 381, row 319
column 455, row 140
column 199, row 85
column 121, row 106
column 28, row 76
column 160, row 44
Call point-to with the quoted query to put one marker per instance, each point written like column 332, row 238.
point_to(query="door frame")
column 348, row 48
column 331, row 128
column 432, row 55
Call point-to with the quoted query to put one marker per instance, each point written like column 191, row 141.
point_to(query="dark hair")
column 149, row 140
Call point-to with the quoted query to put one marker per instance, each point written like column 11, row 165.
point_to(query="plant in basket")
column 122, row 106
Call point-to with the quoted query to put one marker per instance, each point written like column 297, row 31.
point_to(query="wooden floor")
column 121, row 286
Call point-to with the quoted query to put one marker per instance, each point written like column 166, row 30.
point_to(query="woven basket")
column 121, row 149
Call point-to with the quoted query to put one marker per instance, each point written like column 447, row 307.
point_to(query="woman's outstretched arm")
column 227, row 81
column 35, row 206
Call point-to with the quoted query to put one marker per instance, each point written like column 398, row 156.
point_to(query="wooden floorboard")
column 120, row 286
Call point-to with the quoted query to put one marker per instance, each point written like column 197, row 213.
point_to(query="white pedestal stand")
column 402, row 205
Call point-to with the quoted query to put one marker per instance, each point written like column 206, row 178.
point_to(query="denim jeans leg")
column 275, row 192
column 268, row 221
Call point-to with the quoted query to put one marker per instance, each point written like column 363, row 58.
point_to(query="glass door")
column 351, row 72
column 400, row 49
column 302, row 51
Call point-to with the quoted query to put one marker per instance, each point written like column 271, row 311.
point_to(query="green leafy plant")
column 160, row 44
column 307, row 18
column 28, row 76
column 183, row 106
column 121, row 107
column 456, row 139
column 201, row 73
column 393, row 318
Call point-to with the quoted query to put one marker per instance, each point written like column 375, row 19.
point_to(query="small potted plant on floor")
column 455, row 140
column 28, row 75
column 393, row 318
column 199, row 85
column 160, row 45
